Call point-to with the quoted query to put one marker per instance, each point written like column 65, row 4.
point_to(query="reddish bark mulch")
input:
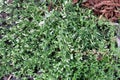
column 110, row 9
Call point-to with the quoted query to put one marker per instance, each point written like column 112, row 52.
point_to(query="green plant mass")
column 66, row 42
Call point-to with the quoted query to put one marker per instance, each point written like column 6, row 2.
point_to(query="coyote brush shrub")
column 70, row 44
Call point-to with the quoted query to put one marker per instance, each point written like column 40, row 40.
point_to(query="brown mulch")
column 110, row 9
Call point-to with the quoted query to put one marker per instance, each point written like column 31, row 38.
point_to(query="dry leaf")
column 75, row 1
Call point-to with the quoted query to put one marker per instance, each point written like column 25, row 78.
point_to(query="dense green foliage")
column 67, row 44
